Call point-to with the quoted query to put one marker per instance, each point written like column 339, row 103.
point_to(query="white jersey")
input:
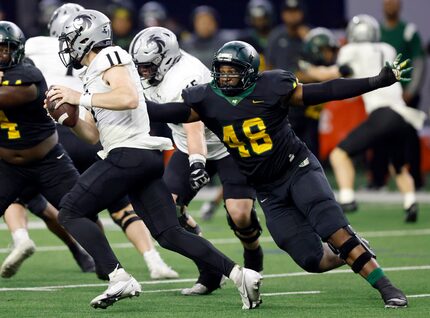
column 43, row 51
column 188, row 71
column 125, row 128
column 367, row 59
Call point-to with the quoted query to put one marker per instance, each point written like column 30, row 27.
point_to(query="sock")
column 151, row 255
column 375, row 276
column 20, row 235
column 235, row 274
column 409, row 199
column 346, row 195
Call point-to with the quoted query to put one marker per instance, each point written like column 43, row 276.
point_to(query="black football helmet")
column 244, row 58
column 315, row 41
column 12, row 37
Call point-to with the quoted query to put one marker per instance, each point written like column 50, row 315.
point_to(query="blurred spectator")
column 121, row 13
column 404, row 37
column 207, row 37
column 283, row 51
column 154, row 13
column 259, row 17
column 46, row 9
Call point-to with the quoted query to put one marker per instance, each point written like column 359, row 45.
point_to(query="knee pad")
column 183, row 217
column 122, row 222
column 250, row 233
column 346, row 248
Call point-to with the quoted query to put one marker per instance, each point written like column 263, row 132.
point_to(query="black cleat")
column 349, row 207
column 412, row 213
column 394, row 298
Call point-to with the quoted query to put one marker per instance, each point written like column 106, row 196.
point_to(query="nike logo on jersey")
column 264, row 200
column 254, row 101
column 60, row 156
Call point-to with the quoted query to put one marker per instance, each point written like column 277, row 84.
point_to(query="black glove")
column 198, row 176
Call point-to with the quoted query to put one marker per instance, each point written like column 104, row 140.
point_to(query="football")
column 66, row 114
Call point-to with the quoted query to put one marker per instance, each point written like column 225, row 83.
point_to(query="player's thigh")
column 11, row 184
column 314, row 198
column 155, row 205
column 57, row 174
column 177, row 178
column 292, row 232
column 235, row 185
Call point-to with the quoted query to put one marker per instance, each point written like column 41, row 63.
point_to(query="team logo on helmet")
column 158, row 41
column 82, row 21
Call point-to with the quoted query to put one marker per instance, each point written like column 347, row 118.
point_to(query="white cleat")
column 162, row 272
column 124, row 286
column 17, row 256
column 249, row 288
column 158, row 269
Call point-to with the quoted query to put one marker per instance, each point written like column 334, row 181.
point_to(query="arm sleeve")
column 168, row 113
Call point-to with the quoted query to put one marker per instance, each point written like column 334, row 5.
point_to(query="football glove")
column 198, row 176
column 392, row 73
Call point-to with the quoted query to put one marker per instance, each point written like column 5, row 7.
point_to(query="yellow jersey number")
column 259, row 140
column 12, row 131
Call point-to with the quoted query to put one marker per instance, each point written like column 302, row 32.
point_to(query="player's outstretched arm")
column 11, row 96
column 313, row 94
column 171, row 113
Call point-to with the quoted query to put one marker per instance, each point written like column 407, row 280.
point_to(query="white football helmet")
column 363, row 28
column 83, row 31
column 154, row 51
column 55, row 25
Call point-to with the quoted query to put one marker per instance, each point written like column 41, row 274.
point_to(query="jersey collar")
column 234, row 100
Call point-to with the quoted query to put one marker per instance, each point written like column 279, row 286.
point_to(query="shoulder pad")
column 194, row 94
column 280, row 82
column 22, row 74
column 109, row 57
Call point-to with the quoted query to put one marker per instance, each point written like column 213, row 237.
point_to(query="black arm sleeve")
column 168, row 113
column 341, row 88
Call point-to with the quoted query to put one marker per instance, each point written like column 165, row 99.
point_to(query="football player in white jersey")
column 390, row 121
column 165, row 71
column 43, row 51
column 132, row 161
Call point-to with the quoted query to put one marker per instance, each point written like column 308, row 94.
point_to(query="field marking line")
column 186, row 280
column 372, row 234
column 418, row 296
column 310, row 292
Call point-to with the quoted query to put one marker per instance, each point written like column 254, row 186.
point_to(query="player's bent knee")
column 310, row 263
column 345, row 249
column 250, row 233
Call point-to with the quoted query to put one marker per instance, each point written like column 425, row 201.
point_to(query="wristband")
column 85, row 99
column 196, row 157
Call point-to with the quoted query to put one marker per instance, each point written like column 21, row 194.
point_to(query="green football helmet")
column 244, row 58
column 315, row 42
column 12, row 37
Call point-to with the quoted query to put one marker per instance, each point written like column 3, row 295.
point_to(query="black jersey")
column 254, row 125
column 26, row 125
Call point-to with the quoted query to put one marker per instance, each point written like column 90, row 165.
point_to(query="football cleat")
column 122, row 285
column 158, row 269
column 394, row 298
column 411, row 213
column 249, row 288
column 17, row 256
column 349, row 207
column 208, row 210
column 196, row 290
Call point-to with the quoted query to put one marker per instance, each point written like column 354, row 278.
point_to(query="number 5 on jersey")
column 254, row 130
